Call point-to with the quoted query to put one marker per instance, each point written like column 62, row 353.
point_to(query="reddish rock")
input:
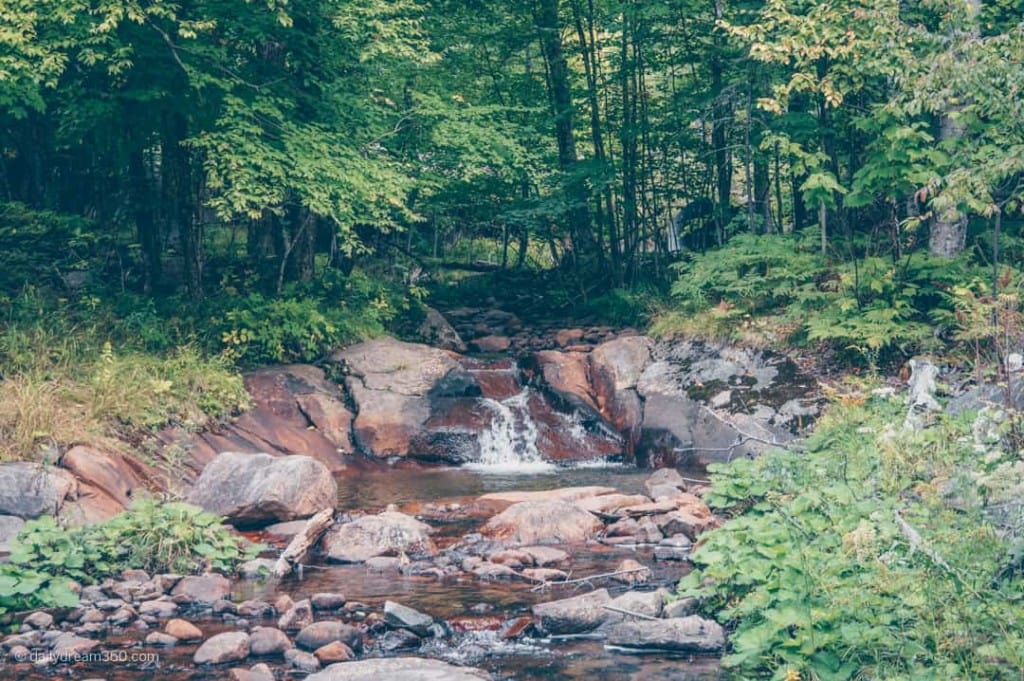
column 335, row 651
column 490, row 343
column 183, row 630
column 543, row 522
column 118, row 476
column 567, row 375
column 566, row 337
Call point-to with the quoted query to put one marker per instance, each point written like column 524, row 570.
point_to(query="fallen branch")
column 583, row 580
column 630, row 613
column 303, row 542
column 916, row 543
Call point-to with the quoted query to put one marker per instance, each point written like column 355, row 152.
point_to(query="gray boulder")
column 690, row 634
column 259, row 488
column 388, row 533
column 230, row 646
column 29, row 490
column 575, row 615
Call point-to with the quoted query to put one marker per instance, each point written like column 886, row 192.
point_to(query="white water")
column 510, row 445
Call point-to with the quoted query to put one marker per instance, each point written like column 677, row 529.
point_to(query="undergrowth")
column 877, row 553
column 170, row 537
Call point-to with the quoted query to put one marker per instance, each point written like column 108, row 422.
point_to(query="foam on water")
column 510, row 444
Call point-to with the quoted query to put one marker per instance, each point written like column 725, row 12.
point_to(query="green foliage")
column 818, row 576
column 156, row 537
column 865, row 308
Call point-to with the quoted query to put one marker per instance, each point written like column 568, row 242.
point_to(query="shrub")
column 863, row 557
column 152, row 536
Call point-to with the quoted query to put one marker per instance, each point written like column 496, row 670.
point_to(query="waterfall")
column 510, row 444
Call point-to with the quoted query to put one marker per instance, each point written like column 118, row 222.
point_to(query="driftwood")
column 583, row 580
column 303, row 542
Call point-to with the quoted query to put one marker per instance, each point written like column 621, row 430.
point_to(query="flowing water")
column 510, row 461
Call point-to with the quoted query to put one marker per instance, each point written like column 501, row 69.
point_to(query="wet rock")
column 283, row 603
column 259, row 488
column 404, row 668
column 122, row 616
column 399, row 639
column 268, row 641
column 384, row 564
column 258, row 672
column 39, row 620
column 575, row 615
column 531, row 556
column 183, row 630
column 690, row 634
column 649, row 603
column 387, row 533
column 543, row 522
column 224, row 607
column 649, row 532
column 683, row 522
column 92, row 616
column 633, row 572
column 301, row 660
column 158, row 638
column 327, row 601
column 673, row 548
column 680, row 607
column 201, row 589
column 626, row 527
column 488, row 570
column 255, row 608
column 319, row 634
column 285, row 530
column 29, row 639
column 110, row 604
column 230, row 646
column 567, row 376
column 18, row 653
column 615, row 368
column 611, row 503
column 336, row 651
column 544, row 574
column 491, row 343
column 558, row 494
column 404, row 617
column 67, row 647
column 297, row 616
column 160, row 608
column 29, row 490
column 664, row 477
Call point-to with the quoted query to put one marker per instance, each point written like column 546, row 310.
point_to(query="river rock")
column 566, row 375
column 319, row 634
column 390, row 381
column 183, row 630
column 230, row 646
column 201, row 589
column 543, row 522
column 437, row 332
column 301, row 660
column 404, row 668
column 649, row 603
column 159, row 607
column 258, row 672
column 68, row 646
column 387, row 533
column 39, row 620
column 690, row 634
column 259, row 488
column 268, row 641
column 490, row 343
column 575, row 615
column 159, row 638
column 398, row 639
column 297, row 616
column 29, row 490
column 327, row 600
column 615, row 368
column 335, row 651
column 404, row 617
column 673, row 548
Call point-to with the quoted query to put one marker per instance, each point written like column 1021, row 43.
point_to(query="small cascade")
column 510, row 444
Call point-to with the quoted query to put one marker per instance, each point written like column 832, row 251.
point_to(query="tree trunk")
column 721, row 113
column 146, row 227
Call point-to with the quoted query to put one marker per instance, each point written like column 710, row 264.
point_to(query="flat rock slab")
column 398, row 669
column 690, row 634
column 543, row 522
column 575, row 615
column 387, row 533
column 561, row 494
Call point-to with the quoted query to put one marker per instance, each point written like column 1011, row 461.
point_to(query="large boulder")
column 230, row 646
column 119, row 477
column 436, row 331
column 386, row 534
column 398, row 668
column 691, row 634
column 29, row 490
column 574, row 615
column 391, row 383
column 543, row 522
column 615, row 369
column 259, row 488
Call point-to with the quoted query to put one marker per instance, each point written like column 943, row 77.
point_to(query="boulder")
column 335, row 651
column 575, row 615
column 566, row 375
column 390, row 365
column 319, row 634
column 615, row 368
column 543, row 522
column 29, row 490
column 183, row 630
column 116, row 475
column 268, row 641
column 388, row 533
column 258, row 672
column 403, row 668
column 437, row 332
column 296, row 616
column 558, row 494
column 67, row 647
column 10, row 526
column 403, row 617
column 201, row 589
column 230, row 646
column 301, row 660
column 649, row 603
column 259, row 488
column 490, row 343
column 691, row 634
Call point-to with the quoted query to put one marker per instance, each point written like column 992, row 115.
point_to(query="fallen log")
column 303, row 542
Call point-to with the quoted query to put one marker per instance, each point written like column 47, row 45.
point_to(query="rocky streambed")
column 561, row 583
